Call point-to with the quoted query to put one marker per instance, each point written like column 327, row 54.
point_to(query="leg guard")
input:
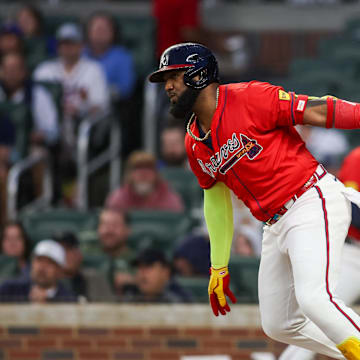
column 350, row 348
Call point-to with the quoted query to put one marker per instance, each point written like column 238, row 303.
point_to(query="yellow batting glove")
column 218, row 290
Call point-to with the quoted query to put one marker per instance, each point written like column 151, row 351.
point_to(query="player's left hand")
column 219, row 289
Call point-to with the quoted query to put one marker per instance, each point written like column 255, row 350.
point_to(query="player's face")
column 182, row 97
column 174, row 85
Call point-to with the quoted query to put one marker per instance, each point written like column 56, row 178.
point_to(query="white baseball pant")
column 347, row 289
column 299, row 269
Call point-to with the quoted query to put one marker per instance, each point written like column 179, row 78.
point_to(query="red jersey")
column 172, row 16
column 256, row 152
column 349, row 174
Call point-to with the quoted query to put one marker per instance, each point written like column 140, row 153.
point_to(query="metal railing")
column 13, row 184
column 86, row 166
column 149, row 118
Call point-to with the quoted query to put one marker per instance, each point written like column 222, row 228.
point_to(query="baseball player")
column 348, row 287
column 241, row 137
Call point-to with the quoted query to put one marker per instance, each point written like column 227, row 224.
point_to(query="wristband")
column 298, row 106
column 330, row 112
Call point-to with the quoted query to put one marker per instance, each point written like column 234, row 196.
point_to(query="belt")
column 315, row 177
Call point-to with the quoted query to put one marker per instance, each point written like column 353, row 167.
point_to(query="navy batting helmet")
column 194, row 58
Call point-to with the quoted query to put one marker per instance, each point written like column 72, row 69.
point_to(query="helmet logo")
column 164, row 61
column 193, row 58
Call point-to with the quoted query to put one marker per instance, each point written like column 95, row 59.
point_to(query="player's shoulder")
column 251, row 87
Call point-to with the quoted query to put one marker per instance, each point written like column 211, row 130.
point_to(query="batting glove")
column 218, row 289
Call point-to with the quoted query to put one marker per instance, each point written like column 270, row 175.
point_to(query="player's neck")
column 205, row 106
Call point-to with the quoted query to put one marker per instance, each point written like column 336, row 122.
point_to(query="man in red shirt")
column 241, row 137
column 177, row 21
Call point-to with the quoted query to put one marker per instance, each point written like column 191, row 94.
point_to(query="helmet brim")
column 158, row 75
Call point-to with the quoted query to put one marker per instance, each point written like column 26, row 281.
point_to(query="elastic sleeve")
column 218, row 213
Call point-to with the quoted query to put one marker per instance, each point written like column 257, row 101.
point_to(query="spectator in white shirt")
column 84, row 83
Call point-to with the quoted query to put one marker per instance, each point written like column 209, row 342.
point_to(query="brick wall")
column 133, row 333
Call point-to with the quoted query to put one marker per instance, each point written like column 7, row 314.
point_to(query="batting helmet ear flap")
column 201, row 70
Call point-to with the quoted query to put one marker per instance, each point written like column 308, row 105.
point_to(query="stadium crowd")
column 148, row 242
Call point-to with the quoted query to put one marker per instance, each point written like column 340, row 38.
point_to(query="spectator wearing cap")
column 83, row 80
column 43, row 285
column 102, row 35
column 86, row 284
column 153, row 281
column 143, row 188
column 192, row 256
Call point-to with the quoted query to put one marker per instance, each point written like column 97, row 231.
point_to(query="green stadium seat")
column 20, row 116
column 8, row 267
column 196, row 286
column 159, row 229
column 45, row 224
column 244, row 275
column 185, row 184
column 138, row 34
column 98, row 262
column 53, row 22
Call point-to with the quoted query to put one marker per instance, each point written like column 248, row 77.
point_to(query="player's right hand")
column 219, row 289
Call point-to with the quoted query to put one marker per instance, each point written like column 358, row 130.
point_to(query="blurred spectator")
column 143, row 188
column 11, row 39
column 153, row 281
column 116, row 61
column 177, row 21
column 113, row 232
column 349, row 174
column 37, row 45
column 180, row 21
column 87, row 284
column 85, row 93
column 43, row 285
column 37, row 112
column 192, row 256
column 328, row 146
column 243, row 241
column 17, row 88
column 16, row 243
column 78, row 76
column 172, row 144
column 247, row 230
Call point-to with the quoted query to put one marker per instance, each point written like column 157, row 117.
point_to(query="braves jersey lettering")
column 216, row 160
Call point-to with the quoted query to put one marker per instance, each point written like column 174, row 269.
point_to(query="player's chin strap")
column 342, row 114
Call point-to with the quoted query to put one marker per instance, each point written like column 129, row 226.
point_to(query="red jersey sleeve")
column 204, row 179
column 273, row 106
column 349, row 173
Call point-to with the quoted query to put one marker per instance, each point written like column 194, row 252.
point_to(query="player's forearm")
column 219, row 219
column 332, row 113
